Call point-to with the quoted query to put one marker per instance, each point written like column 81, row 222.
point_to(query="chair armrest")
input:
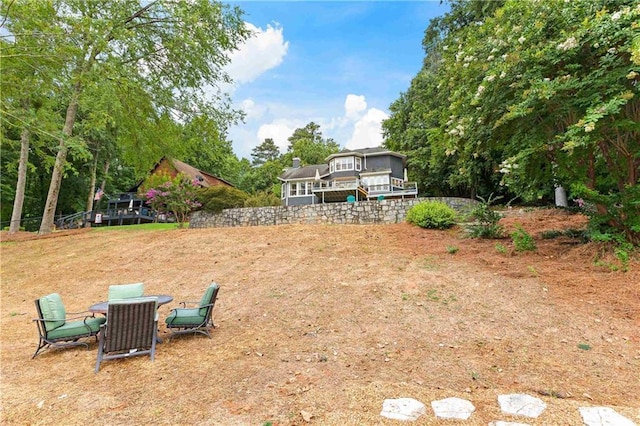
column 49, row 320
column 184, row 304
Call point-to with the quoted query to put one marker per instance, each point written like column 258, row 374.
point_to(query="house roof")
column 305, row 172
column 186, row 169
column 366, row 152
column 309, row 172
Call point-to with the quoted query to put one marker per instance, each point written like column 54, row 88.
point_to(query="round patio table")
column 103, row 307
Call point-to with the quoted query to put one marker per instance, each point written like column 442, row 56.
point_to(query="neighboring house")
column 171, row 167
column 349, row 175
column 128, row 209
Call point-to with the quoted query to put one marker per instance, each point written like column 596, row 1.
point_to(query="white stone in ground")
column 603, row 416
column 519, row 404
column 403, row 409
column 453, row 408
column 503, row 423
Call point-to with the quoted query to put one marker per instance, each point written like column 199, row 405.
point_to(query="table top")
column 103, row 307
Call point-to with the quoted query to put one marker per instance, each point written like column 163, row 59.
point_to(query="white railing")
column 399, row 187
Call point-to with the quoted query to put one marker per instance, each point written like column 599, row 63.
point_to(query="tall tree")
column 539, row 94
column 31, row 112
column 308, row 144
column 166, row 50
column 266, row 151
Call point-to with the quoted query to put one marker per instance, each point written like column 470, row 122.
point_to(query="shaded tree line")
column 517, row 98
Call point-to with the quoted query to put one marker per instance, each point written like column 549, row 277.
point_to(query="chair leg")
column 41, row 345
column 100, row 352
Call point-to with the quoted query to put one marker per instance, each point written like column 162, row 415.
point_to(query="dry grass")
column 329, row 320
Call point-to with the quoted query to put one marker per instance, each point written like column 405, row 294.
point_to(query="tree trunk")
column 92, row 189
column 92, row 185
column 104, row 176
column 61, row 158
column 16, row 214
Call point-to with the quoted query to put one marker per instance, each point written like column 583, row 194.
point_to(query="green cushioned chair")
column 197, row 319
column 126, row 291
column 58, row 330
column 131, row 329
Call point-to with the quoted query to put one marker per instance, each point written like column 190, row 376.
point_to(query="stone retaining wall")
column 359, row 212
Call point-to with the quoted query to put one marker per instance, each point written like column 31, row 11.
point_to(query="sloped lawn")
column 329, row 321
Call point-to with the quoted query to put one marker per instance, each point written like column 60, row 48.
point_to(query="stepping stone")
column 403, row 409
column 453, row 408
column 603, row 416
column 503, row 423
column 519, row 404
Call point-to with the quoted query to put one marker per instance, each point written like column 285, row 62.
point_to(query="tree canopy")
column 142, row 67
column 519, row 97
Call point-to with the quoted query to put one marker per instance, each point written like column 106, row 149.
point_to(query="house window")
column 341, row 164
column 299, row 189
column 283, row 190
column 377, row 183
column 358, row 163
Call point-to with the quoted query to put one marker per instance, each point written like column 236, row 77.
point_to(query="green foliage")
column 266, row 151
column 452, row 249
column 218, row 197
column 522, row 240
column 262, row 199
column 432, row 215
column 138, row 68
column 177, row 196
column 516, row 97
column 500, row 248
column 308, row 144
column 487, row 219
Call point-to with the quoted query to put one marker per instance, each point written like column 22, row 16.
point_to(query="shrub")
column 432, row 214
column 175, row 195
column 262, row 199
column 522, row 240
column 486, row 220
column 218, row 197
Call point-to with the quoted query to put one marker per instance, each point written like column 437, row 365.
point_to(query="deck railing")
column 401, row 187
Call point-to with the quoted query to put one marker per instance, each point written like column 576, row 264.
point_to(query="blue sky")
column 339, row 64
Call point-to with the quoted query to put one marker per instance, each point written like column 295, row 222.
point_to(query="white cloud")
column 252, row 111
column 354, row 105
column 367, row 131
column 264, row 50
column 279, row 131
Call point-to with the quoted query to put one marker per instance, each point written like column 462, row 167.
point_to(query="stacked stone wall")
column 359, row 212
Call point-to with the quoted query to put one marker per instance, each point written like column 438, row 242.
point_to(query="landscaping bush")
column 262, row 199
column 432, row 214
column 486, row 221
column 218, row 197
column 522, row 240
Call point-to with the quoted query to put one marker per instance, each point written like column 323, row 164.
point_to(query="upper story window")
column 345, row 163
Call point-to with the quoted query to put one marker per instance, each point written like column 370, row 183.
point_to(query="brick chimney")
column 296, row 162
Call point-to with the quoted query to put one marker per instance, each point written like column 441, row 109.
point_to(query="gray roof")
column 305, row 172
column 366, row 152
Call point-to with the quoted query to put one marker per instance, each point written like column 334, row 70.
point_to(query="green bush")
column 432, row 214
column 262, row 199
column 486, row 220
column 522, row 240
column 218, row 197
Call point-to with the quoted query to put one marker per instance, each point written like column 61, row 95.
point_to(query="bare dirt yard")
column 319, row 324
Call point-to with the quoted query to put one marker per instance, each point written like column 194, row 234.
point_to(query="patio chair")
column 131, row 329
column 126, row 291
column 197, row 319
column 58, row 330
